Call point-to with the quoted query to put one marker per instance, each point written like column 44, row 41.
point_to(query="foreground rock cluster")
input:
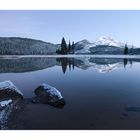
column 11, row 97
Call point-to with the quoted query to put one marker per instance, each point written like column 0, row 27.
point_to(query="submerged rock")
column 10, row 95
column 47, row 94
column 133, row 109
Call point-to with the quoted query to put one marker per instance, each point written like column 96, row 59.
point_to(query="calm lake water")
column 100, row 93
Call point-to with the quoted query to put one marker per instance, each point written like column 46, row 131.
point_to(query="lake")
column 100, row 93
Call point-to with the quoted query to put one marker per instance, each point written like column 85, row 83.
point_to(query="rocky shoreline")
column 13, row 106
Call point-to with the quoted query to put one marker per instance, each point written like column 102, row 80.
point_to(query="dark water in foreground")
column 100, row 93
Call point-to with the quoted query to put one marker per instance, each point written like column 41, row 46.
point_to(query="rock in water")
column 49, row 95
column 9, row 97
column 8, row 89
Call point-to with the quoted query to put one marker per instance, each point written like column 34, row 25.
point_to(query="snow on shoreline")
column 69, row 56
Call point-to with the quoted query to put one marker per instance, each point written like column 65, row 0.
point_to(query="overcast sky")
column 51, row 26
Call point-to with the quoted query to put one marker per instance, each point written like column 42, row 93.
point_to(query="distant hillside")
column 25, row 46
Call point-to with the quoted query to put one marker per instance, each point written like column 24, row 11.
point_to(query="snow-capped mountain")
column 84, row 42
column 83, row 46
column 108, row 41
column 103, row 45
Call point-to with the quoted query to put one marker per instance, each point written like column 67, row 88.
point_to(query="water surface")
column 100, row 93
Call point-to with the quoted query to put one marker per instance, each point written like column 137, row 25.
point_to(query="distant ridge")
column 28, row 46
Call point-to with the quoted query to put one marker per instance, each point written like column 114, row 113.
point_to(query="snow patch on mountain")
column 108, row 41
column 83, row 42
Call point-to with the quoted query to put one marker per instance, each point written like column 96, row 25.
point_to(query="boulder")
column 47, row 94
column 10, row 95
column 9, row 90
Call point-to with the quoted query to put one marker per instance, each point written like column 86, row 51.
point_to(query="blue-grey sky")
column 51, row 26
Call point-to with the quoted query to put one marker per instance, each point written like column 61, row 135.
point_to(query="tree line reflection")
column 34, row 64
column 127, row 61
column 66, row 63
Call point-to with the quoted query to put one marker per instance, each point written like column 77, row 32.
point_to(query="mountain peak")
column 107, row 40
column 84, row 41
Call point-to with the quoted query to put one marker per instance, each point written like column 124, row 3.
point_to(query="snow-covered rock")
column 5, row 102
column 8, row 89
column 49, row 95
column 4, row 115
column 9, row 97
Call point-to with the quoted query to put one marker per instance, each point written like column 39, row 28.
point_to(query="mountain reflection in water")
column 102, row 65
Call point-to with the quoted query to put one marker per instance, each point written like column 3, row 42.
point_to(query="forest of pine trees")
column 25, row 46
column 64, row 48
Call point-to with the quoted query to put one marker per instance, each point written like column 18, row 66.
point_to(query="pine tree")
column 69, row 47
column 125, row 49
column 72, row 47
column 131, row 49
column 63, row 46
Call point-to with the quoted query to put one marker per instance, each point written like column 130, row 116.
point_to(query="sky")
column 51, row 26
